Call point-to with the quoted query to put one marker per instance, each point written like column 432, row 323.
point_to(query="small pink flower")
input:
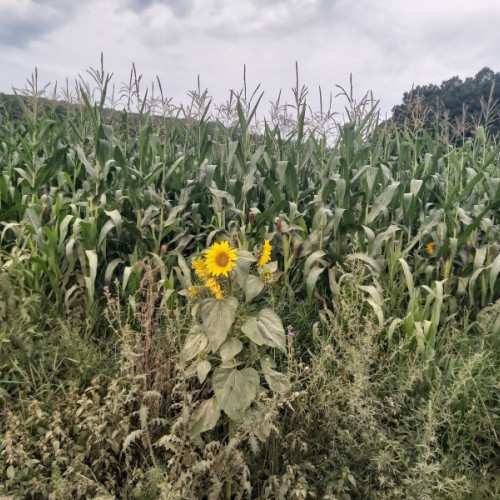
column 105, row 288
column 290, row 334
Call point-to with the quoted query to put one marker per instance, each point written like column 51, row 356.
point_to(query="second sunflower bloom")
column 220, row 259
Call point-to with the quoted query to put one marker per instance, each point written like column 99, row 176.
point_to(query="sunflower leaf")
column 218, row 317
column 235, row 390
column 205, row 417
column 265, row 329
column 245, row 260
column 278, row 382
column 253, row 286
column 203, row 369
column 230, row 348
column 195, row 343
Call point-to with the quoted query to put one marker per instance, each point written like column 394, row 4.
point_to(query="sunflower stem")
column 228, row 481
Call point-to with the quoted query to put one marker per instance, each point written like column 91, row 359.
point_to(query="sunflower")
column 265, row 256
column 215, row 287
column 266, row 274
column 193, row 291
column 430, row 247
column 220, row 259
column 200, row 268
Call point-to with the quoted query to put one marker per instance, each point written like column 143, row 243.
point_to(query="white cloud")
column 388, row 45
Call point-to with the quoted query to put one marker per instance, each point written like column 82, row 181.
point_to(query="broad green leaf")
column 337, row 217
column 409, row 282
column 495, row 270
column 389, row 233
column 427, row 225
column 230, row 348
column 218, row 317
column 110, row 269
column 271, row 328
column 311, row 279
column 183, row 272
column 378, row 311
column 251, row 329
column 278, row 382
column 253, row 286
column 480, row 257
column 382, row 202
column 392, row 328
column 495, row 330
column 63, row 228
column 110, row 224
column 127, row 271
column 92, row 273
column 33, row 218
column 172, row 215
column 291, row 181
column 280, row 170
column 235, row 390
column 472, row 282
column 81, row 155
column 420, row 334
column 376, row 301
column 340, row 185
column 69, row 293
column 245, row 260
column 203, row 369
column 314, row 257
column 415, row 186
column 438, row 294
column 205, row 417
column 195, row 343
column 369, row 261
column 117, row 219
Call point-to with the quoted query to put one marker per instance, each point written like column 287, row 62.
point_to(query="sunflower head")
column 200, row 268
column 215, row 287
column 430, row 247
column 220, row 259
column 265, row 255
column 266, row 274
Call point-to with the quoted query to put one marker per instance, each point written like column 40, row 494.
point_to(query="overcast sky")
column 387, row 45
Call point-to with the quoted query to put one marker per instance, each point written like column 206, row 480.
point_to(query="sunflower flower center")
column 222, row 259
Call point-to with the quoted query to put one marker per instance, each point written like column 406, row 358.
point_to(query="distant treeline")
column 12, row 106
column 454, row 108
column 459, row 105
column 17, row 108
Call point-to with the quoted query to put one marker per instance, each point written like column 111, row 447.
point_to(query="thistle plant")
column 231, row 347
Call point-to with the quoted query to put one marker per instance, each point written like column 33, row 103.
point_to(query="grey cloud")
column 20, row 33
column 180, row 8
column 22, row 23
column 273, row 19
column 64, row 5
column 140, row 6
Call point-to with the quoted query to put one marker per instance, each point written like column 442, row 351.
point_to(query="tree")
column 462, row 105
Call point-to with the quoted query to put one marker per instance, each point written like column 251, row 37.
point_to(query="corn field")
column 386, row 245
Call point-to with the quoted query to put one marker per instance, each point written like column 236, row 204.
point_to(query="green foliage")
column 233, row 337
column 456, row 107
column 121, row 375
